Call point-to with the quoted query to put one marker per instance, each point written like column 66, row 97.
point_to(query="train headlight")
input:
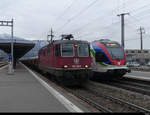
column 76, row 45
column 86, row 66
column 65, row 66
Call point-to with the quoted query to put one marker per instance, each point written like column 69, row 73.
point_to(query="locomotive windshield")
column 115, row 51
column 67, row 50
column 83, row 50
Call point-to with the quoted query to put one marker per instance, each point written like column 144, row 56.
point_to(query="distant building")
column 140, row 56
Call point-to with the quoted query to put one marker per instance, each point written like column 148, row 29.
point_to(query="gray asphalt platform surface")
column 21, row 92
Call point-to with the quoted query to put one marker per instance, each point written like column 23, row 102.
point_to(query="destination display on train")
column 112, row 45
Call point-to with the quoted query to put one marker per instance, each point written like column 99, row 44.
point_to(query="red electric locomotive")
column 67, row 60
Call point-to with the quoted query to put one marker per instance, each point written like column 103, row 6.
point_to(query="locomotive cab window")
column 100, row 57
column 83, row 50
column 67, row 50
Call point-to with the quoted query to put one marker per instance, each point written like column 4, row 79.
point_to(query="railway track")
column 122, row 102
column 106, row 103
column 89, row 101
column 2, row 64
column 138, row 86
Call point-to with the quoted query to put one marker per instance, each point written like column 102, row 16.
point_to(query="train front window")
column 83, row 50
column 67, row 50
column 116, row 53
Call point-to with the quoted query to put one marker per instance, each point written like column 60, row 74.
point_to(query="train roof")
column 69, row 41
column 55, row 42
column 105, row 41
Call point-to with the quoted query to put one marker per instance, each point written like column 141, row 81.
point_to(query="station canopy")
column 21, row 46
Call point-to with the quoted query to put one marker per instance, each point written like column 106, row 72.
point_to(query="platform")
column 26, row 92
column 139, row 75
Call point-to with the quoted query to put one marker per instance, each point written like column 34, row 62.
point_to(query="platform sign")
column 10, row 58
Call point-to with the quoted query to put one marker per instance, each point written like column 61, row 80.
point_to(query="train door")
column 49, row 56
column 46, row 57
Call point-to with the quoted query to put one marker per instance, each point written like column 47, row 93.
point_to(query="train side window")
column 57, row 51
column 41, row 53
column 100, row 57
column 44, row 52
column 48, row 51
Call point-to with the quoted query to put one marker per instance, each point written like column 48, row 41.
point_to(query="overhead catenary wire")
column 136, row 20
column 87, row 34
column 133, row 38
column 62, row 14
column 81, row 12
column 136, row 38
column 129, row 0
column 100, row 28
column 99, row 18
column 65, row 11
column 80, row 27
column 127, row 21
column 128, row 24
column 135, row 10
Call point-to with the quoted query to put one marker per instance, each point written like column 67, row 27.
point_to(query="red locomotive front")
column 68, row 60
column 73, row 56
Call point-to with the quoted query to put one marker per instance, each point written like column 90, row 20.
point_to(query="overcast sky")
column 85, row 19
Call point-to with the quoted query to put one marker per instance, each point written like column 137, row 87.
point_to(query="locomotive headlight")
column 65, row 66
column 86, row 66
column 76, row 45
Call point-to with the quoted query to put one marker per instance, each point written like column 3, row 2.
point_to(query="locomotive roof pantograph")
column 66, row 39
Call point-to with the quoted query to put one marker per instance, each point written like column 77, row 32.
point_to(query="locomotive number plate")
column 76, row 66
